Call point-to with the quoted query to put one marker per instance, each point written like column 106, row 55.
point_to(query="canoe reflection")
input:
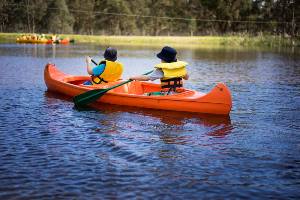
column 219, row 125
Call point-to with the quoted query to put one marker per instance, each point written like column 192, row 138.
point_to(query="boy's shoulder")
column 172, row 65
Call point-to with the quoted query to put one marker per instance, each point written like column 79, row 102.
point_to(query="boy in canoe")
column 170, row 72
column 108, row 70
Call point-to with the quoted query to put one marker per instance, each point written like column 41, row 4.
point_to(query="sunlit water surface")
column 48, row 150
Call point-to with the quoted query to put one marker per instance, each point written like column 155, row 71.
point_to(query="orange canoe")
column 217, row 101
column 62, row 41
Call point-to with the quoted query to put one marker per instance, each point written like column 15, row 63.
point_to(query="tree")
column 113, row 17
column 84, row 16
column 3, row 14
column 151, row 17
column 58, row 18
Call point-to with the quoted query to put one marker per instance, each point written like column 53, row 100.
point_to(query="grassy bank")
column 197, row 41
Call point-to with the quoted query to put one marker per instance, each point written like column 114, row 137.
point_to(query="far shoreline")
column 241, row 40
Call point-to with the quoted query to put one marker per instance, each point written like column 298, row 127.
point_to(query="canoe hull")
column 45, row 41
column 218, row 101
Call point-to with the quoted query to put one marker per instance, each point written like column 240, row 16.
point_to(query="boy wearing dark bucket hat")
column 170, row 71
column 108, row 70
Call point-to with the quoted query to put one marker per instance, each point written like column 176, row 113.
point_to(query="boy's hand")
column 88, row 60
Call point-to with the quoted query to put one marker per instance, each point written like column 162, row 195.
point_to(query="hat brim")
column 162, row 57
column 111, row 59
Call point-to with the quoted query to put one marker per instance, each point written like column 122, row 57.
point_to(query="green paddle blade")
column 88, row 97
column 92, row 95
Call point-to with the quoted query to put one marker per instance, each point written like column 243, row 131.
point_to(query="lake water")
column 48, row 150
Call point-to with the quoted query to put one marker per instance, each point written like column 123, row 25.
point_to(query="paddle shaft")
column 94, row 62
column 123, row 82
column 107, row 89
column 126, row 81
column 93, row 95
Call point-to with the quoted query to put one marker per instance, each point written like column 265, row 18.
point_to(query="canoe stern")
column 219, row 99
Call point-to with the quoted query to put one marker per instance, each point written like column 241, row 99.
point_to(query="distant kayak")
column 217, row 101
column 32, row 41
column 45, row 41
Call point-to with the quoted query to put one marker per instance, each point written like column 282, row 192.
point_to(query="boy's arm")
column 140, row 78
column 88, row 66
column 156, row 74
column 186, row 76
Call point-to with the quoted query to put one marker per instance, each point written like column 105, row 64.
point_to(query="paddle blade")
column 92, row 95
column 88, row 97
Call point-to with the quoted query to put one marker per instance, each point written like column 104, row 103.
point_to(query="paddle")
column 92, row 95
column 94, row 62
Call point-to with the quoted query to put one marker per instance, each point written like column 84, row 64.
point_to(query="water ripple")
column 48, row 150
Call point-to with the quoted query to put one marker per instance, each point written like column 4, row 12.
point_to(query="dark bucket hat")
column 167, row 54
column 110, row 54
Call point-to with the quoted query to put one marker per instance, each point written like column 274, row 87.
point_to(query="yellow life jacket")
column 112, row 72
column 173, row 73
column 174, row 69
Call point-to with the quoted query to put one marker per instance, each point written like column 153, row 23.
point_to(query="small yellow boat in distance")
column 33, row 39
column 41, row 41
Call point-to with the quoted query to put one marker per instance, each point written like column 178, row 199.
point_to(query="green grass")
column 176, row 41
column 8, row 37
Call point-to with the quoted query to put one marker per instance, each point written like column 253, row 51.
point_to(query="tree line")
column 151, row 17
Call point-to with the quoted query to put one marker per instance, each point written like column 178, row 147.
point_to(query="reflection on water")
column 48, row 149
column 219, row 125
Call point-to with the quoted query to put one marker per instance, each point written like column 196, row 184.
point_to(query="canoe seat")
column 135, row 88
column 121, row 89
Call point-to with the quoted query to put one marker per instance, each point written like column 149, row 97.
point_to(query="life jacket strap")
column 171, row 83
column 100, row 80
